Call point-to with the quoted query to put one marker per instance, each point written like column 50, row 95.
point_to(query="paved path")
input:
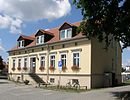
column 11, row 91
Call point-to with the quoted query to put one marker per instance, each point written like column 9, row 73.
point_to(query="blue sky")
column 27, row 16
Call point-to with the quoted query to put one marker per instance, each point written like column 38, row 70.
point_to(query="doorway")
column 32, row 65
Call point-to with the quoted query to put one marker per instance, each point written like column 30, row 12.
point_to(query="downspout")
column 48, row 52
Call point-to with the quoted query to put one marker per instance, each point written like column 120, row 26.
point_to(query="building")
column 125, row 73
column 83, row 60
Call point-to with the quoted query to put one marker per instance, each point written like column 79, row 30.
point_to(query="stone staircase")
column 37, row 79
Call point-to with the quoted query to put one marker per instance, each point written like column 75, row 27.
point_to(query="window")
column 63, row 59
column 42, row 61
column 67, row 33
column 40, row 39
column 21, row 43
column 63, row 45
column 76, row 59
column 75, row 81
column 19, row 62
column 52, row 47
column 52, row 60
column 52, row 80
column 25, row 62
column 62, row 34
column 14, row 61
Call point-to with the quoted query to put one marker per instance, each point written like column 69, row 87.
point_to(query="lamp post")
column 60, row 69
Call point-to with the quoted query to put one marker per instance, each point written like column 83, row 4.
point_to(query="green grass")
column 127, row 82
column 63, row 89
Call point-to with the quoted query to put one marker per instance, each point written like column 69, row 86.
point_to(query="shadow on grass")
column 122, row 84
column 122, row 95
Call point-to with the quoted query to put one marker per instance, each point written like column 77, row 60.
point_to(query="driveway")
column 11, row 91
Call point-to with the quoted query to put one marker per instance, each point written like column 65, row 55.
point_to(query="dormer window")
column 40, row 39
column 66, row 33
column 21, row 43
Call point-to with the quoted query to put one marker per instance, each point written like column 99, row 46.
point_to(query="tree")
column 104, row 17
column 1, row 64
column 123, row 69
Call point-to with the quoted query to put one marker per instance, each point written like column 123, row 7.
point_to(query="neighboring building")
column 83, row 60
column 126, row 73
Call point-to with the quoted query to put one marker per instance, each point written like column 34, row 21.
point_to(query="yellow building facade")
column 82, row 60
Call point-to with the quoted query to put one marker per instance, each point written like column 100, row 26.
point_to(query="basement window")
column 52, row 80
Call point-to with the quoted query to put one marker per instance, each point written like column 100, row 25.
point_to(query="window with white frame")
column 42, row 61
column 67, row 33
column 14, row 63
column 76, row 59
column 19, row 62
column 40, row 39
column 63, row 59
column 52, row 60
column 25, row 62
column 21, row 43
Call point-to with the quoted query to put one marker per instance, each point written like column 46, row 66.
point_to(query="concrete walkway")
column 11, row 91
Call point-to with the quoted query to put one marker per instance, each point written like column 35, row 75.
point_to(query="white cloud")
column 13, row 24
column 15, row 12
column 128, row 48
column 1, row 47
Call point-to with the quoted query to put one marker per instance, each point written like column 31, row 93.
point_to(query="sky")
column 27, row 16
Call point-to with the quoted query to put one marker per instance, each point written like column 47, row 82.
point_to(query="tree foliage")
column 1, row 63
column 104, row 17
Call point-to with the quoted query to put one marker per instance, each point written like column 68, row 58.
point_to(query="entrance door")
column 113, row 79
column 32, row 65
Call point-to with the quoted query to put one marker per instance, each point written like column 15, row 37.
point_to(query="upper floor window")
column 40, row 39
column 21, row 43
column 67, row 33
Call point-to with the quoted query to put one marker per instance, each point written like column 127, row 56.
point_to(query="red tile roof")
column 54, row 32
column 26, row 37
column 46, row 32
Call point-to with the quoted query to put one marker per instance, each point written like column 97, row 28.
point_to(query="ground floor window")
column 42, row 63
column 19, row 62
column 14, row 63
column 25, row 62
column 52, row 61
column 63, row 59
